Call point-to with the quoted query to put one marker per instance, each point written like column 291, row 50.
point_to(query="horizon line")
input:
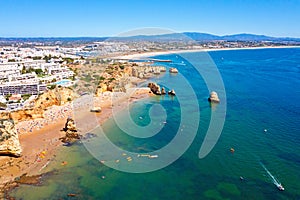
column 242, row 33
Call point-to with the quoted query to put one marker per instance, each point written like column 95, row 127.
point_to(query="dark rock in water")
column 163, row 91
column 155, row 88
column 67, row 144
column 88, row 136
column 172, row 92
column 9, row 140
column 29, row 180
column 213, row 97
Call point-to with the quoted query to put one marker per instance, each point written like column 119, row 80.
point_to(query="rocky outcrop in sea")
column 9, row 140
column 173, row 70
column 155, row 88
column 172, row 92
column 213, row 97
column 163, row 91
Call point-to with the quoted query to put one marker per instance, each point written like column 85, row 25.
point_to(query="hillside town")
column 29, row 67
column 28, row 72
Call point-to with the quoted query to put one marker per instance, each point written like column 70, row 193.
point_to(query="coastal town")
column 27, row 72
column 28, row 68
column 149, row 100
column 43, row 85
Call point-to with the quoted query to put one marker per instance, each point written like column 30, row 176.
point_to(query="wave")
column 273, row 178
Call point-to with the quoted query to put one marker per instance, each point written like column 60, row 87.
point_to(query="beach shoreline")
column 144, row 55
column 46, row 139
column 41, row 146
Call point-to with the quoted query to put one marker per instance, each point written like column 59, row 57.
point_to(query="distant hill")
column 209, row 37
column 249, row 37
column 165, row 37
column 205, row 37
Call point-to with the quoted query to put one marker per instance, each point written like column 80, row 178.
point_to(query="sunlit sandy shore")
column 41, row 146
column 156, row 53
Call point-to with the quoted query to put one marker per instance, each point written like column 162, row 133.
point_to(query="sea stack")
column 163, row 91
column 154, row 88
column 173, row 70
column 71, row 132
column 213, row 97
column 172, row 92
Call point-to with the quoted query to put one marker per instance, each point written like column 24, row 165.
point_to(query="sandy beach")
column 157, row 53
column 40, row 138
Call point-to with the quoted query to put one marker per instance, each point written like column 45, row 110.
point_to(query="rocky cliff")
column 57, row 96
column 9, row 140
column 117, row 76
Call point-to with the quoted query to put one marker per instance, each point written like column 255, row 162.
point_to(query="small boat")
column 280, row 187
column 153, row 156
column 241, row 178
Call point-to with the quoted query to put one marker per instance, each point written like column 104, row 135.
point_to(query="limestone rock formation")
column 9, row 140
column 96, row 109
column 172, row 92
column 163, row 91
column 213, row 97
column 163, row 69
column 173, row 70
column 155, row 88
column 101, row 88
column 118, row 76
column 71, row 132
column 57, row 96
column 27, row 114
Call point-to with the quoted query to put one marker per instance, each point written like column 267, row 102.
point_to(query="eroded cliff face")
column 9, row 140
column 58, row 96
column 118, row 76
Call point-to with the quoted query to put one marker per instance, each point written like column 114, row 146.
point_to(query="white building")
column 2, row 99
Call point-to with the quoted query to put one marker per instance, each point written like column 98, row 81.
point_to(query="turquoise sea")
column 262, row 92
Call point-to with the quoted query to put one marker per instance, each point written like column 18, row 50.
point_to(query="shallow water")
column 263, row 92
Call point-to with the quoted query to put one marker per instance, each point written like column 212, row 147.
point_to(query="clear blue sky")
column 53, row 18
